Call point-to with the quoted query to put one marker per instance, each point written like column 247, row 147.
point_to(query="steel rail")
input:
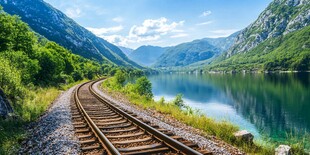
column 101, row 137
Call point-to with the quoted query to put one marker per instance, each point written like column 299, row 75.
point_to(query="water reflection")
column 274, row 104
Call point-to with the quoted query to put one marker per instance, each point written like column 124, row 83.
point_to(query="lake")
column 267, row 105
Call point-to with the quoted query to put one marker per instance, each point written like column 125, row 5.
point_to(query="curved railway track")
column 104, row 128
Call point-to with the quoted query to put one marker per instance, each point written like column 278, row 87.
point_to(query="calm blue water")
column 264, row 104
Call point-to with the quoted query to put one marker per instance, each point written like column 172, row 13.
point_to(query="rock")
column 5, row 107
column 272, row 23
column 244, row 135
column 283, row 150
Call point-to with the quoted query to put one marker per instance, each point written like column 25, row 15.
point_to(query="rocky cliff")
column 279, row 18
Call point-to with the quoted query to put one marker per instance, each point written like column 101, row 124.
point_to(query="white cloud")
column 116, row 39
column 179, row 35
column 118, row 19
column 222, row 33
column 73, row 12
column 102, row 31
column 150, row 31
column 205, row 23
column 206, row 13
column 177, row 31
column 153, row 29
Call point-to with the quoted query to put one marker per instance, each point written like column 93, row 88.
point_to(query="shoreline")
column 168, row 122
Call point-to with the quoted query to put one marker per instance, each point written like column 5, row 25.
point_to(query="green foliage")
column 144, row 87
column 64, row 31
column 15, row 35
column 161, row 100
column 20, row 60
column 178, row 101
column 31, row 71
column 10, row 80
column 284, row 53
column 11, row 134
column 119, row 77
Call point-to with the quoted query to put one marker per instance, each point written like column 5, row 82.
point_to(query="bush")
column 144, row 87
column 178, row 101
column 120, row 77
column 161, row 100
column 10, row 80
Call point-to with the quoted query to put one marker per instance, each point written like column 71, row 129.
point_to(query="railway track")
column 104, row 128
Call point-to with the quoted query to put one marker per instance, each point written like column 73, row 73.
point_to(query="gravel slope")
column 53, row 133
column 211, row 143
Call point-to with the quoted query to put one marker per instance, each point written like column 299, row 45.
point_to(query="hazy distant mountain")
column 146, row 55
column 277, row 40
column 125, row 50
column 202, row 50
column 56, row 26
column 223, row 43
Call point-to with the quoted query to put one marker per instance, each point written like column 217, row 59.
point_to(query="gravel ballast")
column 53, row 133
column 178, row 128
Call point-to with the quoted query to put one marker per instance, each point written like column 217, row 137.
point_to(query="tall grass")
column 36, row 102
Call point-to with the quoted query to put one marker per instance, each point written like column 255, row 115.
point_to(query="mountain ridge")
column 277, row 41
column 56, row 26
column 196, row 51
column 146, row 55
column 279, row 18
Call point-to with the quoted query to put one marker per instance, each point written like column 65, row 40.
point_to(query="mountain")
column 286, row 52
column 197, row 52
column 125, row 50
column 278, row 40
column 146, row 55
column 223, row 43
column 279, row 18
column 56, row 26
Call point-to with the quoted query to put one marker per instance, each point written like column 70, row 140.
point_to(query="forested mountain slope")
column 198, row 52
column 279, row 18
column 287, row 52
column 277, row 40
column 56, row 26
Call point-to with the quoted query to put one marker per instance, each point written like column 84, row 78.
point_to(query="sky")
column 133, row 23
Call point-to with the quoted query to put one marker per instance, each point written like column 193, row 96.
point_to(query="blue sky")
column 132, row 23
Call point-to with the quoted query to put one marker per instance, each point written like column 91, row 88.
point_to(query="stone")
column 5, row 107
column 244, row 135
column 283, row 150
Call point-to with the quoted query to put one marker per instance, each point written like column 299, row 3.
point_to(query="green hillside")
column 56, row 26
column 284, row 53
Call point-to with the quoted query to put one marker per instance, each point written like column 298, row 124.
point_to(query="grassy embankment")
column 12, row 130
column 139, row 93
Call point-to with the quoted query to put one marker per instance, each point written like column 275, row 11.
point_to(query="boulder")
column 283, row 150
column 244, row 135
column 5, row 107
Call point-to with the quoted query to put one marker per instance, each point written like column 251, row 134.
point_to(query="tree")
column 144, row 87
column 10, row 80
column 120, row 77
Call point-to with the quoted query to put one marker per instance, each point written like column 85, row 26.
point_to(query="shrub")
column 178, row 101
column 144, row 87
column 10, row 80
column 120, row 77
column 161, row 100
